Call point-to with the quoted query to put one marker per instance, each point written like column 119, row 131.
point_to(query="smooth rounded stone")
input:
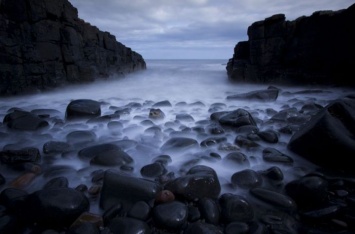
column 24, row 121
column 140, row 210
column 280, row 223
column 88, row 217
column 322, row 213
column 197, row 104
column 184, row 117
column 289, row 129
column 80, row 136
column 237, row 228
column 266, row 95
column 273, row 173
column 114, row 125
column 112, row 212
column 211, row 141
column 134, row 105
column 247, row 179
column 56, row 147
column 20, row 156
column 59, row 170
column 235, row 208
column 236, row 159
column 228, row 147
column 122, row 110
column 121, row 188
column 274, row 198
column 217, row 115
column 89, row 153
column 153, row 130
column 216, row 130
column 331, row 130
column 125, row 225
column 269, row 136
column 57, row 207
column 153, row 170
column 275, row 156
column 203, row 228
column 126, row 144
column 13, row 199
column 247, row 129
column 283, row 115
column 163, row 159
column 164, row 103
column 311, row 108
column 308, row 191
column 23, row 181
column 244, row 142
column 200, row 181
column 111, row 158
column 209, row 210
column 237, row 118
column 83, row 109
column 172, row 215
column 87, row 228
column 179, row 143
column 156, row 114
column 194, row 213
column 57, row 182
column 164, row 196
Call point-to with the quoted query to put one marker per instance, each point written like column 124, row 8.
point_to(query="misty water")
column 194, row 87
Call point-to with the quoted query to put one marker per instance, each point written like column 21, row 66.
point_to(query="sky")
column 190, row 29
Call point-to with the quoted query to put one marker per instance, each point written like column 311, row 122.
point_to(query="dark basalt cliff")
column 44, row 44
column 318, row 49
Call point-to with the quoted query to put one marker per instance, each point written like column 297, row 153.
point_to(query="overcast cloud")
column 170, row 29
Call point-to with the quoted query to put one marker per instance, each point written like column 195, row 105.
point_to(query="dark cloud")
column 189, row 28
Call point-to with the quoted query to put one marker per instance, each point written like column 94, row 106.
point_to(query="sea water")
column 192, row 87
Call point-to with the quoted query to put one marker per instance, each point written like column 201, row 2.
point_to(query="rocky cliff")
column 44, row 44
column 318, row 49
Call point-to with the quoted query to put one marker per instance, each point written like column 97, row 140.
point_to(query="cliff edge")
column 44, row 44
column 318, row 49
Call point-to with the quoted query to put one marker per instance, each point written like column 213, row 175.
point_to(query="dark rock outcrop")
column 44, row 44
column 318, row 49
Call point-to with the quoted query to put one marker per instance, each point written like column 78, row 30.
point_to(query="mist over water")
column 194, row 87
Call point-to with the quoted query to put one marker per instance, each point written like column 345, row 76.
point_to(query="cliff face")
column 318, row 49
column 44, row 44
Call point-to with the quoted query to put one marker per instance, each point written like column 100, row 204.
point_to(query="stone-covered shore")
column 43, row 44
column 104, row 187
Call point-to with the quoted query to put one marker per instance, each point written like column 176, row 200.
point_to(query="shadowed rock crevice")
column 44, row 44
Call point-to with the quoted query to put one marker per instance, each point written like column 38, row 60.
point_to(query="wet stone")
column 179, row 143
column 125, row 225
column 184, row 118
column 83, row 109
column 244, row 142
column 273, row 173
column 274, row 198
column 20, row 156
column 235, row 208
column 153, row 170
column 266, row 95
column 322, row 213
column 140, row 210
column 164, row 103
column 308, row 191
column 156, row 114
column 269, row 136
column 172, row 215
column 275, row 156
column 24, row 121
column 120, row 188
column 237, row 118
column 13, row 199
column 87, row 227
column 211, row 141
column 93, row 151
column 56, row 147
column 57, row 207
column 237, row 159
column 247, row 179
column 237, row 228
column 209, row 210
column 80, row 137
column 200, row 181
column 57, row 182
column 203, row 228
column 110, row 158
column 163, row 159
